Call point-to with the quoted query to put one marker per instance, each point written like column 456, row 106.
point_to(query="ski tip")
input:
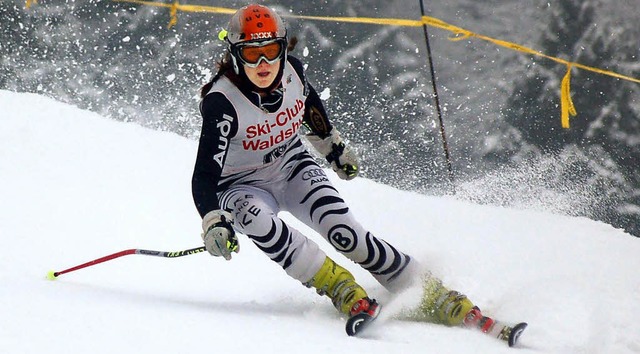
column 516, row 331
column 368, row 311
column 357, row 323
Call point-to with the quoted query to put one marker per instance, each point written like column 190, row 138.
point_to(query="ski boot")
column 451, row 308
column 441, row 305
column 338, row 284
column 346, row 295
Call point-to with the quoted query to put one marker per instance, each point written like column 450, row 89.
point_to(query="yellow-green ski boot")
column 338, row 284
column 347, row 296
column 441, row 305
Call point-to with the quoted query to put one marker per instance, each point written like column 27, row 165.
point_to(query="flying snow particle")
column 171, row 77
column 126, row 39
column 325, row 94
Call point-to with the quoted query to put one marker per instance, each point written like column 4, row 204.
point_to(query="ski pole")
column 436, row 97
column 52, row 275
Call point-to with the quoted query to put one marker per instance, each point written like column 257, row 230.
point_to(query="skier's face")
column 263, row 75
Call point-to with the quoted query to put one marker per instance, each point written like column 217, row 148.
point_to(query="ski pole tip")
column 51, row 275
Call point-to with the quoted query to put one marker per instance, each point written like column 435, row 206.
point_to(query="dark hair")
column 225, row 67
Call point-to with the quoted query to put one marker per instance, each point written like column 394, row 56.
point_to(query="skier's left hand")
column 343, row 160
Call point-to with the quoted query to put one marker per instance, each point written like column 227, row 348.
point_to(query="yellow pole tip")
column 222, row 35
column 51, row 275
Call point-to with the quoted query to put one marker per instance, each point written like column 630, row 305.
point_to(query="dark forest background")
column 500, row 107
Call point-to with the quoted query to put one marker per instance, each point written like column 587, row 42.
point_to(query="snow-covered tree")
column 608, row 120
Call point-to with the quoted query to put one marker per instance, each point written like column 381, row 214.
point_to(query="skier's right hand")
column 218, row 235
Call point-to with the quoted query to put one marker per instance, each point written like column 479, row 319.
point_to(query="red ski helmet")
column 255, row 23
column 260, row 32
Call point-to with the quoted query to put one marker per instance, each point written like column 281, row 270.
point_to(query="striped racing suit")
column 252, row 162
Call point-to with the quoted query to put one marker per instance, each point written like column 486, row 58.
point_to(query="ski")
column 511, row 334
column 364, row 316
column 497, row 329
column 508, row 333
column 358, row 322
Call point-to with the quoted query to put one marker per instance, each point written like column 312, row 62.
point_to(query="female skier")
column 251, row 164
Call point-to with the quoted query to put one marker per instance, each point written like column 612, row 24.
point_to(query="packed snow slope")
column 75, row 186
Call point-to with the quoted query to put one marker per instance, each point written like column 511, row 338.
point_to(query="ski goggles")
column 252, row 53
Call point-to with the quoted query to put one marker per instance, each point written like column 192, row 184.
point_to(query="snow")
column 76, row 186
